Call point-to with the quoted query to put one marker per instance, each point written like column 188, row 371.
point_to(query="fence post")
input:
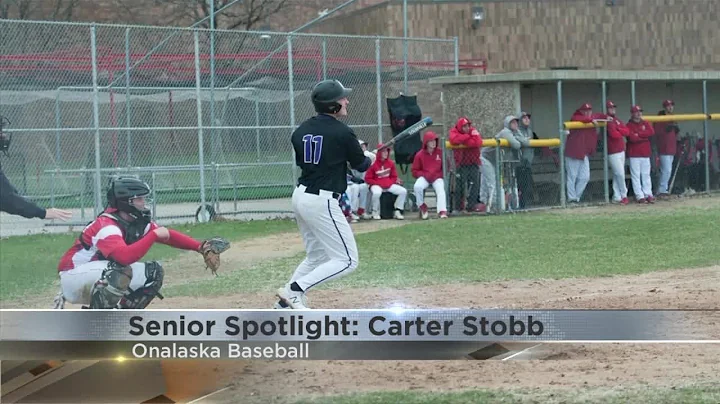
column 96, row 119
column 128, row 138
column 58, row 123
column 563, row 202
column 52, row 188
column 405, row 48
column 213, row 134
column 499, row 189
column 324, row 58
column 456, row 45
column 632, row 92
column 291, row 90
column 378, row 88
column 257, row 129
column 705, row 135
column 154, row 195
column 606, row 175
column 201, row 148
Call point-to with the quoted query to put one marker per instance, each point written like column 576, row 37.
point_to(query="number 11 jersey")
column 323, row 147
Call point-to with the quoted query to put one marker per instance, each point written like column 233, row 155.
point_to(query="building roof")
column 579, row 75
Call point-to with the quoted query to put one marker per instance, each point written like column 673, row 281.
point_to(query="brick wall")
column 532, row 35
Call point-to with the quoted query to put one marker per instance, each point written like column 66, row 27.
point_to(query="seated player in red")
column 382, row 177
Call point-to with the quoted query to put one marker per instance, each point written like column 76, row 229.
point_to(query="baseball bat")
column 415, row 128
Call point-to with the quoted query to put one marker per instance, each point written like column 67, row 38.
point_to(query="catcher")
column 101, row 269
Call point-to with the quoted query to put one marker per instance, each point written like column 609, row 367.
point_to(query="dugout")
column 551, row 96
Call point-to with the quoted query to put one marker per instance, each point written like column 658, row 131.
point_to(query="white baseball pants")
column 438, row 185
column 666, row 162
column 640, row 175
column 77, row 283
column 578, row 176
column 616, row 161
column 487, row 183
column 330, row 246
column 358, row 196
column 396, row 189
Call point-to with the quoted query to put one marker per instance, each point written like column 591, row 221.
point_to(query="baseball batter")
column 323, row 148
column 102, row 270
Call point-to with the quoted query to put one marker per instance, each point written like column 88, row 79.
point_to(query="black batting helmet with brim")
column 326, row 94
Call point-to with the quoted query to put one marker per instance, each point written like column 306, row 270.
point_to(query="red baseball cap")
column 635, row 108
column 586, row 106
column 668, row 102
column 610, row 104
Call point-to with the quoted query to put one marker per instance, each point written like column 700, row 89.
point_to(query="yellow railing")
column 504, row 143
column 650, row 118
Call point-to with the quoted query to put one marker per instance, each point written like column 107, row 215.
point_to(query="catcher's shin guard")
column 141, row 297
column 111, row 287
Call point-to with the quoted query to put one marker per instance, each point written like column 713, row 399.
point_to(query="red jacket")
column 639, row 138
column 473, row 141
column 428, row 165
column 582, row 143
column 617, row 131
column 666, row 136
column 381, row 173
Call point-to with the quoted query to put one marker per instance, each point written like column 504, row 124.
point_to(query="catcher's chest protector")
column 133, row 231
column 404, row 112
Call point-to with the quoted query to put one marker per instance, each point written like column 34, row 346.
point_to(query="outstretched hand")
column 53, row 213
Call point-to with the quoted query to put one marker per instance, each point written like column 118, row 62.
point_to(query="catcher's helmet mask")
column 123, row 191
column 326, row 94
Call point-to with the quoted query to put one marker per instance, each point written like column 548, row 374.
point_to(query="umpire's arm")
column 15, row 204
column 355, row 155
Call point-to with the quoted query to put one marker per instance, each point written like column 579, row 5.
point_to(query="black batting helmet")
column 121, row 193
column 326, row 94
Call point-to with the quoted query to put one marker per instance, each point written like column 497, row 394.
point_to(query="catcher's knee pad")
column 141, row 297
column 111, row 287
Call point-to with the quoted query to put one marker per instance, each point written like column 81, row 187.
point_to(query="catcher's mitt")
column 211, row 250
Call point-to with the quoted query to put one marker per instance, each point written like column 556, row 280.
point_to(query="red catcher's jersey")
column 103, row 236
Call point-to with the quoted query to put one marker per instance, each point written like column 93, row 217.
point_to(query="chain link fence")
column 88, row 102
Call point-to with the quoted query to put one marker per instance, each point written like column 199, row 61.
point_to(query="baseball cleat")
column 399, row 216
column 292, row 298
column 354, row 217
column 624, row 201
column 376, row 216
column 59, row 302
column 279, row 305
column 651, row 199
column 423, row 212
column 442, row 215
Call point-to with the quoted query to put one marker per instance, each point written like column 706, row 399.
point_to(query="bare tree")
column 55, row 10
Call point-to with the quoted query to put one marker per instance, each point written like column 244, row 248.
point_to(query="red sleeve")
column 474, row 141
column 632, row 135
column 182, row 241
column 599, row 115
column 458, row 138
column 614, row 130
column 393, row 173
column 417, row 167
column 649, row 131
column 578, row 117
column 114, row 247
column 370, row 174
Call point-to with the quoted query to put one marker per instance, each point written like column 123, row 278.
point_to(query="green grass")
column 686, row 395
column 526, row 246
column 28, row 263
